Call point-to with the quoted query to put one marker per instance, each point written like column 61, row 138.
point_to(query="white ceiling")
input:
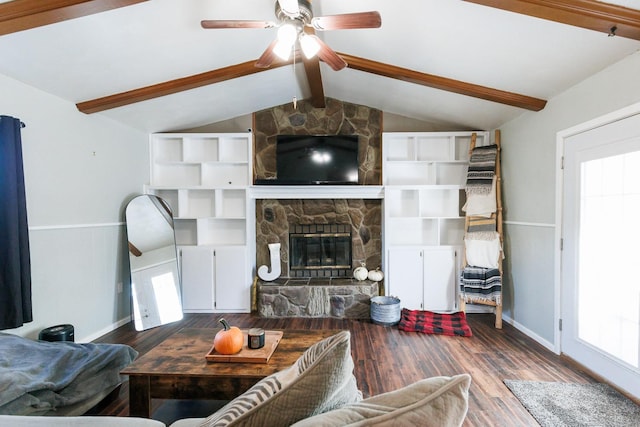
column 161, row 40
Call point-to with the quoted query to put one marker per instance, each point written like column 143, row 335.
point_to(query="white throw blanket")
column 483, row 249
column 481, row 204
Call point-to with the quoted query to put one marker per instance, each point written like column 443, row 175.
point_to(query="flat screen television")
column 316, row 159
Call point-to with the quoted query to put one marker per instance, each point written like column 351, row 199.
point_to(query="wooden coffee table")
column 177, row 368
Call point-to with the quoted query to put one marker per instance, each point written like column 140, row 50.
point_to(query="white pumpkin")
column 361, row 273
column 375, row 275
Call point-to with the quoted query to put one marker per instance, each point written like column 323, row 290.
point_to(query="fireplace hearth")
column 319, row 297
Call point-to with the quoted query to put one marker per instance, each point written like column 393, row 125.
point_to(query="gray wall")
column 80, row 170
column 529, row 177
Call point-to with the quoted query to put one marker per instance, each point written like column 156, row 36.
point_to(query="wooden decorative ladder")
column 498, row 216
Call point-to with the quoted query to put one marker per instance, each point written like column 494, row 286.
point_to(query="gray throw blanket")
column 482, row 167
column 39, row 376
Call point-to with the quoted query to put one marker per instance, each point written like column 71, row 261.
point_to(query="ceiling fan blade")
column 231, row 23
column 347, row 21
column 290, row 7
column 328, row 55
column 267, row 57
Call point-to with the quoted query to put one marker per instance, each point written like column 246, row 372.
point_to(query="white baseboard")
column 471, row 308
column 528, row 332
column 112, row 327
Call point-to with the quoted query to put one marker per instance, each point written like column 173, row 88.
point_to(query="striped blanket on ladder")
column 482, row 168
column 478, row 284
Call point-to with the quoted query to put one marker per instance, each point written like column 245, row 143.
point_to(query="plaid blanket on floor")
column 428, row 322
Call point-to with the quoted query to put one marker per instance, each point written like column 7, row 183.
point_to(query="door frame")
column 561, row 136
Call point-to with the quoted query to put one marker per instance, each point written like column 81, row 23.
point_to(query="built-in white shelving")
column 424, row 175
column 205, row 178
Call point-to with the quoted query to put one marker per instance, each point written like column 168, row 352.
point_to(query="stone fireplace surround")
column 318, row 297
column 275, row 217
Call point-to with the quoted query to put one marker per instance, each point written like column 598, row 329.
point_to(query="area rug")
column 565, row 404
column 428, row 322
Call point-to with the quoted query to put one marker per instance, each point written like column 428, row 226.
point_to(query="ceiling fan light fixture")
column 296, row 25
column 310, row 46
column 287, row 33
column 289, row 7
column 283, row 50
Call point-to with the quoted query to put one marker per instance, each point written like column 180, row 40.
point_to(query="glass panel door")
column 608, row 293
column 600, row 306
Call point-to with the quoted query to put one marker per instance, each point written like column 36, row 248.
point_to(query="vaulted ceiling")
column 456, row 64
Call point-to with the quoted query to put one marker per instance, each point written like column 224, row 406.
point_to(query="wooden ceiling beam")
column 19, row 15
column 315, row 83
column 173, row 86
column 590, row 14
column 312, row 70
column 444, row 83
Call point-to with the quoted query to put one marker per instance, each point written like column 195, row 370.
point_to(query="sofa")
column 318, row 390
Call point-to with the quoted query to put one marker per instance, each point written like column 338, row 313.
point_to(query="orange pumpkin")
column 229, row 340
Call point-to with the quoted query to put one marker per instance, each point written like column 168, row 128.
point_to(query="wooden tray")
column 247, row 355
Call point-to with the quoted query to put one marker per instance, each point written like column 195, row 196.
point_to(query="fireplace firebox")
column 320, row 250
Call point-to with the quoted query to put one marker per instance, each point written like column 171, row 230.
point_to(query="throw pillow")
column 436, row 402
column 320, row 380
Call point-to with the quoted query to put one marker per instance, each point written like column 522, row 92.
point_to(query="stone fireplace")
column 322, row 239
column 323, row 290
column 361, row 219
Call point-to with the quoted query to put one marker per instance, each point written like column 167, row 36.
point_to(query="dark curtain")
column 15, row 264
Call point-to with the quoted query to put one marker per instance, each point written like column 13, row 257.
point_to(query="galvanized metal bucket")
column 385, row 310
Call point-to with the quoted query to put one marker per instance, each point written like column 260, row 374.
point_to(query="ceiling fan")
column 296, row 23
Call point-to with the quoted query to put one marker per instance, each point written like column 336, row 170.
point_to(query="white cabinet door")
column 215, row 279
column 424, row 278
column 440, row 278
column 232, row 288
column 197, row 279
column 404, row 276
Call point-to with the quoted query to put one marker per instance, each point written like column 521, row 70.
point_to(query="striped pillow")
column 320, row 380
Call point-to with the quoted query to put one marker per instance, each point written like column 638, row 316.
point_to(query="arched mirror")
column 155, row 282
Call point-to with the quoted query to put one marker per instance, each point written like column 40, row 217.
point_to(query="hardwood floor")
column 386, row 359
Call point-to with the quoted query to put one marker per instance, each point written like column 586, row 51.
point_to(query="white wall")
column 80, row 170
column 528, row 168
